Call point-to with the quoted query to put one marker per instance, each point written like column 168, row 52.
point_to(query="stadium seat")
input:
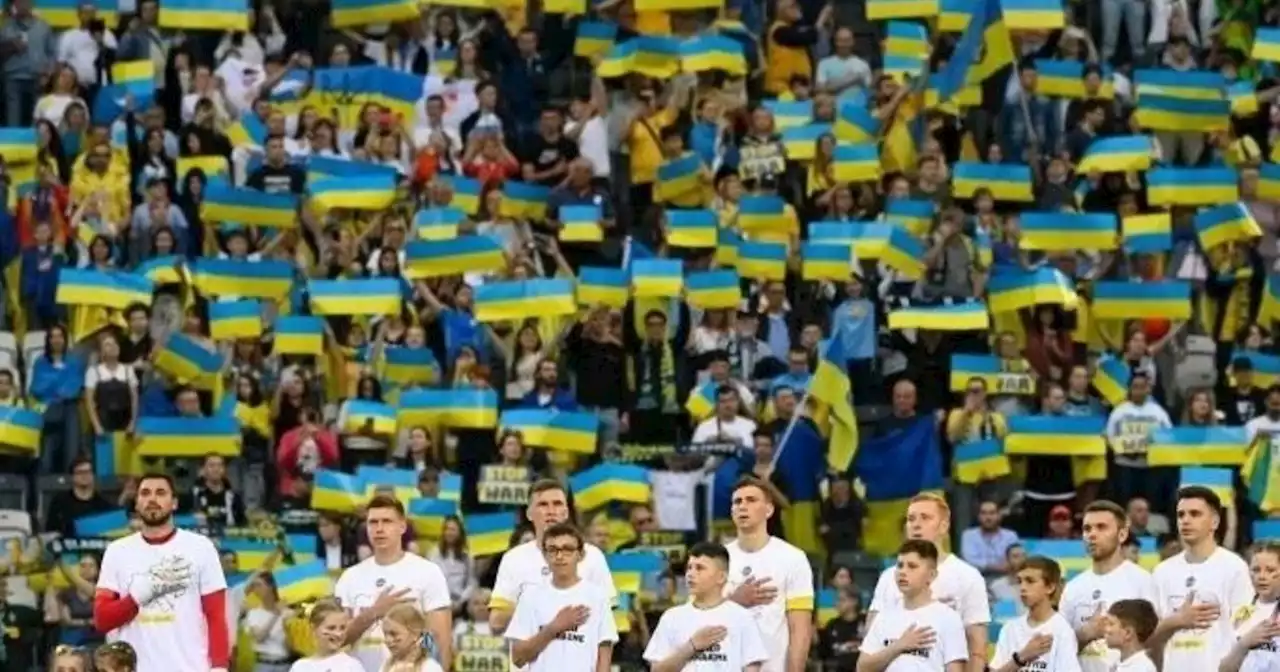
column 13, row 494
column 14, row 523
column 33, row 342
column 49, row 486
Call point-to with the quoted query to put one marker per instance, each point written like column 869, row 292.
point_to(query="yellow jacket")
column 115, row 182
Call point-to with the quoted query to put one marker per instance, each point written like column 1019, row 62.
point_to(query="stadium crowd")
column 640, row 334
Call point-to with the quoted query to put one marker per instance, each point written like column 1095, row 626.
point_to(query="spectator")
column 1129, row 432
column 1004, row 587
column 304, row 450
column 30, row 50
column 265, row 624
column 1144, row 523
column 1061, row 523
column 985, row 546
column 75, row 604
column 457, row 564
column 213, row 501
column 840, row 638
column 83, row 499
column 112, row 387
column 547, row 392
column 842, row 515
column 57, row 380
column 726, row 425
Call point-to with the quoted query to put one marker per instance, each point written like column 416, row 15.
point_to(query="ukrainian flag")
column 352, row 13
column 659, row 278
column 824, row 261
column 1070, row 553
column 113, row 523
column 654, row 56
column 1059, row 231
column 801, row 142
column 1033, row 14
column 677, row 177
column 1244, row 99
column 903, row 252
column 607, row 483
column 302, row 583
column 325, row 167
column 906, row 38
column 162, row 270
column 967, row 367
column 856, row 163
column 136, row 78
column 978, row 461
column 1180, row 84
column 603, row 286
column 956, row 317
column 826, row 606
column 702, row 401
column 1225, row 224
column 953, row 17
column 213, row 166
column 463, row 407
column 695, row 229
column 1054, row 435
column 580, row 224
column 1266, row 530
column 466, row 193
column 594, row 37
column 353, row 193
column 569, row 431
column 523, row 200
column 1119, row 300
column 969, row 96
column 250, row 207
column 763, row 213
column 17, row 145
column 675, row 5
column 869, row 239
column 434, row 224
column 1146, row 234
column 1117, row 154
column 66, row 13
column 1263, row 479
column 713, row 289
column 897, row 64
column 455, row 256
column 20, row 429
column 1111, row 380
column 428, row 515
column 108, row 289
column 854, row 123
column 520, row 299
column 269, row 279
column 761, row 260
column 490, row 533
column 400, row 483
column 831, row 387
column 789, row 114
column 1220, row 481
column 189, row 363
column 915, row 215
column 410, row 366
column 630, row 569
column 365, row 296
column 230, row 15
column 233, row 320
column 188, row 437
column 727, row 242
column 299, row 335
column 900, row 9
column 1269, row 308
column 709, row 52
column 1011, row 289
column 983, row 49
column 336, row 491
column 450, row 486
column 1007, row 182
column 1191, row 186
column 1266, row 45
column 445, row 63
column 1269, row 181
column 1197, row 446
column 250, row 131
column 1061, row 79
column 1166, row 113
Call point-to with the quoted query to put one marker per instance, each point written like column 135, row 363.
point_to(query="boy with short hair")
column 115, row 656
column 921, row 634
column 1130, row 626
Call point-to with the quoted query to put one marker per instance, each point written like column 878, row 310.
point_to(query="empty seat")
column 13, row 494
column 15, row 523
column 34, row 340
column 9, row 343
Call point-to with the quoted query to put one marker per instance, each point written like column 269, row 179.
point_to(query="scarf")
column 652, row 376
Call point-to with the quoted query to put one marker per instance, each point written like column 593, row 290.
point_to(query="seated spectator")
column 83, row 499
column 985, row 545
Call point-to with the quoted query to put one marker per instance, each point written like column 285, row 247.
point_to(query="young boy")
column 115, row 657
column 709, row 633
column 567, row 623
column 1131, row 624
column 1041, row 638
column 921, row 634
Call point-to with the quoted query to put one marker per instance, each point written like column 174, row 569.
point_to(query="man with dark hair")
column 708, row 632
column 389, row 577
column 162, row 589
column 81, row 500
column 920, row 627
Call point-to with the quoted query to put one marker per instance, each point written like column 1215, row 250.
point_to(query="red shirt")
column 491, row 173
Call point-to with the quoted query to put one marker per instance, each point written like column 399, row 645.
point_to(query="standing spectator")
column 112, row 390
column 1129, row 432
column 456, row 562
column 839, row 640
column 57, row 381
column 842, row 514
column 265, row 624
column 304, row 450
column 83, row 499
column 214, row 503
column 30, row 52
column 843, row 73
column 986, row 545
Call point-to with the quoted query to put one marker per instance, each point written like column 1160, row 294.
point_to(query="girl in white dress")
column 1257, row 647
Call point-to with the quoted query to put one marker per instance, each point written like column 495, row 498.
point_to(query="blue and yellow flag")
column 906, row 38
column 1225, row 224
column 445, row 63
column 983, row 49
column 114, row 523
column 570, row 431
column 108, row 289
column 1071, row 554
column 20, row 429
column 298, row 335
column 1056, row 435
column 594, row 37
column 1262, row 477
column 580, row 223
column 630, row 570
column 657, row 278
column 1006, row 182
column 183, row 359
column 234, row 320
column 490, row 533
column 831, row 387
column 713, row 289
column 352, row 193
column 1117, row 154
column 971, row 316
column 1180, row 84
column 231, row 15
column 702, row 401
column 603, row 286
column 17, row 145
column 364, row 296
column 188, row 437
column 268, row 279
column 991, row 370
column 525, row 201
column 1111, row 380
column 677, row 177
column 428, row 515
column 694, row 229
column 66, row 13
column 462, row 407
column 1197, row 446
column 895, row 468
column 1011, row 289
column 653, row 56
column 410, row 366
column 607, row 483
column 1060, row 79
column 801, row 142
column 436, row 224
column 1147, row 234
column 913, row 214
column 978, row 461
column 1220, row 481
column 1058, row 231
column 856, row 163
column 135, row 78
column 224, row 203
column 762, row 260
column 789, row 114
column 302, row 583
column 901, row 9
column 854, row 123
column 1167, row 185
column 353, row 13
column 337, row 491
column 454, row 256
column 710, row 52
column 953, row 17
column 1167, row 113
column 374, row 416
column 399, row 483
column 466, row 193
column 1266, row 45
column 1120, row 300
column 763, row 213
column 826, row 261
column 520, row 299
column 727, row 242
column 902, row 251
column 1033, row 14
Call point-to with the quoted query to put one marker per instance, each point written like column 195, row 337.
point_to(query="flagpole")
column 786, row 433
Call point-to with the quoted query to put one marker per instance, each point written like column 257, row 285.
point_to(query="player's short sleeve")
column 883, row 598
column 109, row 573
column 524, row 623
column 506, row 587
column 209, row 568
column 873, row 638
column 661, row 643
column 750, row 643
column 951, row 640
column 435, row 593
column 1004, row 647
column 975, row 606
column 608, row 630
column 798, row 585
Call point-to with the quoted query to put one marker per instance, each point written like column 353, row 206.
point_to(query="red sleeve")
column 328, row 448
column 111, row 611
column 214, row 606
column 286, row 456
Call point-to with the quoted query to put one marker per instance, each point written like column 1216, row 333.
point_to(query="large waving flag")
column 1054, row 435
column 832, row 387
column 1197, row 446
column 895, row 468
column 984, row 48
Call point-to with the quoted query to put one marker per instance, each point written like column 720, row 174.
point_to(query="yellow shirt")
column 990, row 425
column 653, row 22
column 644, row 140
column 783, row 63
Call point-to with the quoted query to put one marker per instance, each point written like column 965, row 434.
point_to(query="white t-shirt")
column 673, row 499
column 1222, row 579
column 574, row 649
column 593, row 144
column 958, row 585
column 1138, row 662
column 99, row 373
column 338, row 662
column 742, row 646
column 740, row 430
column 1088, row 591
column 949, row 644
column 523, row 567
column 1266, row 656
column 1018, row 633
column 168, row 633
column 359, row 586
column 788, row 571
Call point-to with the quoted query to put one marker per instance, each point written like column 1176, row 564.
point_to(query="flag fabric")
column 654, row 56
column 114, row 523
column 461, row 408
column 831, row 386
column 629, row 570
column 580, row 224
column 801, row 142
column 677, row 177
column 1054, row 435
column 363, row 296
column 1111, row 380
column 466, row 193
column 903, row 251
column 801, row 464
column 657, row 278
column 188, row 437
column 978, row 461
column 1147, row 234
column 1262, row 478
column 410, row 366
column 1058, row 231
column 953, row 16
column 965, row 368
column 1120, row 300
column 520, row 299
column 20, row 430
column 184, row 360
column 134, row 78
column 399, row 483
column 454, row 256
column 1167, row 113
column 490, row 533
column 352, row 13
column 897, row 64
column 380, row 418
column 434, row 224
column 1006, row 182
column 727, row 242
column 695, row 229
column 1266, row 45
column 233, row 320
column 1197, row 446
column 232, row 15
column 107, row 289
column 854, row 123
column 66, row 13
column 570, row 431
column 906, row 38
column 983, row 48
column 789, row 114
column 1168, row 185
column 869, row 240
column 609, row 482
column 224, row 204
column 370, row 193
column 1220, row 481
column 1117, row 154
column 1011, row 289
column 1071, row 554
column 302, row 583
column 1033, row 14
column 710, row 51
column 901, row 9
column 594, row 37
column 1180, row 84
column 915, row 215
column 1225, row 224
column 762, row 260
column 713, row 289
column 956, row 317
column 298, row 335
column 267, row 279
column 1060, row 79
column 894, row 469
column 823, row 261
column 336, row 491
column 856, row 163
column 701, row 403
column 428, row 516
column 603, row 286
column 522, row 200
column 762, row 213
column 18, row 145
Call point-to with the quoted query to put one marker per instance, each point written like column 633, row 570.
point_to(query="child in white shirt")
column 1130, row 626
column 1041, row 635
column 920, row 634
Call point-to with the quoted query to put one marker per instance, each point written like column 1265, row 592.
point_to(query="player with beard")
column 957, row 584
column 162, row 590
column 1112, row 578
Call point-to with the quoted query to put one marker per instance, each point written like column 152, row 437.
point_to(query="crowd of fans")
column 696, row 393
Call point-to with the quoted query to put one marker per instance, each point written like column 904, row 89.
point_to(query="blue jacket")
column 52, row 383
column 40, row 287
column 561, row 401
